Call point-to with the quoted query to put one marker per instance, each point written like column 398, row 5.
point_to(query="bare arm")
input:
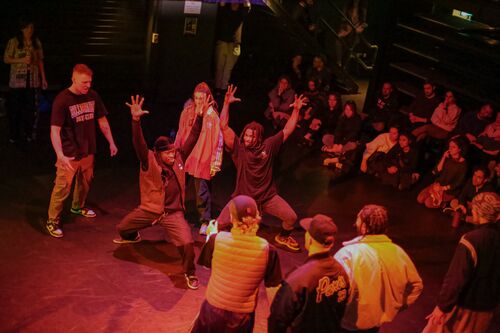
column 106, row 131
column 292, row 121
column 55, row 137
column 227, row 132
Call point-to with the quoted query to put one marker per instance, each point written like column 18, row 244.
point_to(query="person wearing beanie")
column 471, row 288
column 162, row 186
column 206, row 157
column 240, row 261
column 313, row 297
column 254, row 159
column 383, row 279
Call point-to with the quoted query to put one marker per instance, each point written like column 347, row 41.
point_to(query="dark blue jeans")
column 212, row 319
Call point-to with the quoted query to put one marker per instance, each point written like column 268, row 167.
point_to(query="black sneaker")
column 53, row 228
column 120, row 240
column 192, row 281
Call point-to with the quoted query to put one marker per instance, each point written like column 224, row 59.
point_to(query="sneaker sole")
column 80, row 214
column 287, row 248
column 120, row 241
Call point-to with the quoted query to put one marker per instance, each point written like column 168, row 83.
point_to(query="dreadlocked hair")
column 257, row 128
column 375, row 218
column 487, row 205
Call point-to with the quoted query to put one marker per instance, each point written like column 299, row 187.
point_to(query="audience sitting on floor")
column 450, row 175
column 280, row 100
column 443, row 120
column 378, row 147
column 487, row 144
column 320, row 73
column 422, row 107
column 478, row 183
column 471, row 124
column 313, row 94
column 331, row 113
column 383, row 113
column 398, row 168
column 343, row 147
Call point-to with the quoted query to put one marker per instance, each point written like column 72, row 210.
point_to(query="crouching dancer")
column 240, row 261
column 162, row 179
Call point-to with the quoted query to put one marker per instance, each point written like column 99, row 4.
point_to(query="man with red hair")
column 72, row 131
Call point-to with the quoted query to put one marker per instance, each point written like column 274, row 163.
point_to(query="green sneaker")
column 85, row 212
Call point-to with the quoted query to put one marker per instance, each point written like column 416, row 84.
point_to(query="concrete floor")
column 85, row 283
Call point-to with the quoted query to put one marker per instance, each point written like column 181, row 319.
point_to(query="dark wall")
column 183, row 60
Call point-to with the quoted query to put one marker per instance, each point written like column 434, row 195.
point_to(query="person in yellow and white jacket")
column 383, row 279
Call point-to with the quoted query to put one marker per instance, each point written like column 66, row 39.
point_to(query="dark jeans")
column 21, row 112
column 174, row 224
column 212, row 319
column 276, row 206
column 203, row 198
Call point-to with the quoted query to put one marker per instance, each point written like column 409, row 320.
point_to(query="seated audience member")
column 347, row 130
column 477, row 184
column 331, row 113
column 309, row 125
column 321, row 74
column 243, row 259
column 451, row 171
column 378, row 147
column 296, row 73
column 312, row 298
column 470, row 292
column 354, row 12
column 471, row 124
column 487, row 144
column 383, row 279
column 313, row 94
column 443, row 120
column 343, row 146
column 381, row 115
column 399, row 167
column 280, row 101
column 420, row 111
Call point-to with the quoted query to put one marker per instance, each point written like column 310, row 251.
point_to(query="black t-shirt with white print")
column 76, row 115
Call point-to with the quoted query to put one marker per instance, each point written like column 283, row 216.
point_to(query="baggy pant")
column 276, row 206
column 82, row 173
column 174, row 224
column 225, row 60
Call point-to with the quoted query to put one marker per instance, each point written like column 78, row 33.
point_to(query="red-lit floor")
column 85, row 283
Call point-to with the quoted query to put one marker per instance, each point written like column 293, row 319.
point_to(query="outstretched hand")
column 231, row 90
column 299, row 102
column 136, row 107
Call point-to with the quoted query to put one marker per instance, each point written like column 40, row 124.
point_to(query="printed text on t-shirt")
column 83, row 111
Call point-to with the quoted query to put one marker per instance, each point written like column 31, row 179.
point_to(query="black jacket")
column 312, row 298
column 473, row 278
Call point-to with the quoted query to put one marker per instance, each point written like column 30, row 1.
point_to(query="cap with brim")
column 243, row 206
column 321, row 228
column 163, row 143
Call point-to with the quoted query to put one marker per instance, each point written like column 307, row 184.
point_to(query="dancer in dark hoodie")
column 254, row 159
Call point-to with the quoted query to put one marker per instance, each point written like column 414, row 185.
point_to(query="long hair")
column 23, row 23
column 204, row 88
column 258, row 129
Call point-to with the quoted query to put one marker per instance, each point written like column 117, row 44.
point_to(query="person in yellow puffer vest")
column 240, row 261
